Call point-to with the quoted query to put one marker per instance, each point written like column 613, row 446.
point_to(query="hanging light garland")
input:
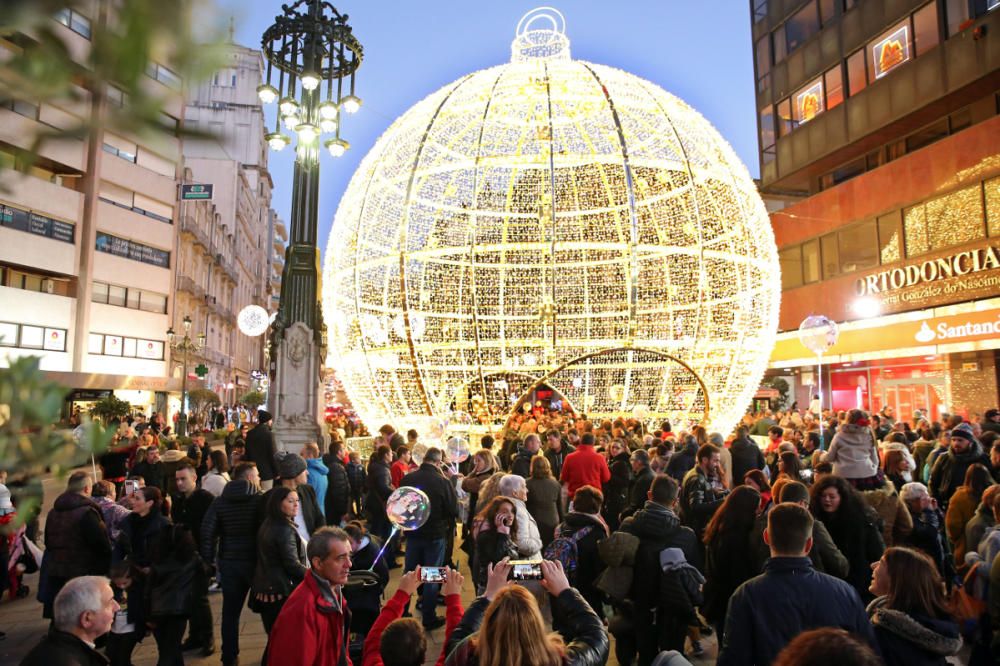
column 537, row 212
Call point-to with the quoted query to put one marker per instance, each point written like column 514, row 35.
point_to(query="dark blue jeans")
column 237, row 576
column 426, row 553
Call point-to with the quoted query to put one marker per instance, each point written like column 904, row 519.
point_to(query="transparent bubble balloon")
column 458, row 449
column 818, row 333
column 408, row 508
column 418, row 452
column 640, row 412
column 459, row 420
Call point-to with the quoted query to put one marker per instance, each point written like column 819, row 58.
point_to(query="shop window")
column 808, row 102
column 888, row 238
column 801, row 26
column 926, row 34
column 858, row 247
column 785, row 121
column 890, row 50
column 992, row 188
column 810, row 261
column 856, row 78
column 956, row 13
column 791, row 267
column 833, row 83
column 831, row 256
column 927, row 135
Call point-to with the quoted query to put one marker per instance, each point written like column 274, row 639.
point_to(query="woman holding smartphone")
column 494, row 542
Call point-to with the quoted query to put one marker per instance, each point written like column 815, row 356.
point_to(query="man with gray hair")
column 83, row 610
column 521, row 464
column 528, row 539
column 315, row 620
column 426, row 545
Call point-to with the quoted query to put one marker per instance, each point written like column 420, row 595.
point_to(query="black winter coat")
column 861, row 543
column 151, row 473
column 657, row 528
column 913, row 640
column 260, row 449
column 681, row 462
column 616, row 490
column 727, row 566
column 589, row 564
column 76, row 538
column 949, row 471
column 491, row 547
column 556, row 459
column 379, row 489
column 232, row 521
column 176, row 574
column 746, row 456
column 521, row 464
column 190, row 511
column 586, row 638
column 638, row 490
column 364, row 598
column 59, row 648
column 444, row 501
column 281, row 558
column 699, row 500
column 338, row 491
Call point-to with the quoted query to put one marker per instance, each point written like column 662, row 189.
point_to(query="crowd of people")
column 873, row 542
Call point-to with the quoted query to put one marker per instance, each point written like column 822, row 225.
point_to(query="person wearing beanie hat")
column 991, row 421
column 260, row 449
column 949, row 469
column 292, row 472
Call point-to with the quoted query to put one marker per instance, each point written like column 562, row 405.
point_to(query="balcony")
column 191, row 227
column 186, row 284
column 281, row 231
column 228, row 267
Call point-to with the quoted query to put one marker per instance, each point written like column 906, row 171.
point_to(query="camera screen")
column 431, row 575
column 527, row 571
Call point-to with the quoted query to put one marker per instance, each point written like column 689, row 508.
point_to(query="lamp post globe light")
column 312, row 57
column 184, row 347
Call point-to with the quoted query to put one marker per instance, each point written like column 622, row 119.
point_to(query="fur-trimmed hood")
column 935, row 636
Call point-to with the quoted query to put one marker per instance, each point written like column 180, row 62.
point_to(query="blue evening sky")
column 699, row 50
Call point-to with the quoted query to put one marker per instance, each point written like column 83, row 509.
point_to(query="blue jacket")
column 317, row 472
column 767, row 612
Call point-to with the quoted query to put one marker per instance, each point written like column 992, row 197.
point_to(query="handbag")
column 966, row 607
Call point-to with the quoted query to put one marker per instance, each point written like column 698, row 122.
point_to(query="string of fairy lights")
column 537, row 212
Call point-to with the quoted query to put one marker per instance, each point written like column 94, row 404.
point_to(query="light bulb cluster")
column 533, row 214
column 308, row 127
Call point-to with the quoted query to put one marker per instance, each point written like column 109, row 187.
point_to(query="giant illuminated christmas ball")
column 551, row 219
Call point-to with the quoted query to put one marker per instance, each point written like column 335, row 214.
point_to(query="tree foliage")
column 201, row 400
column 110, row 409
column 782, row 387
column 253, row 400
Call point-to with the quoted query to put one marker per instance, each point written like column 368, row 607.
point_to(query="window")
column 113, row 345
column 951, row 219
column 858, row 247
column 32, row 337
column 170, row 123
column 165, row 76
column 956, row 13
column 856, row 79
column 132, row 299
column 767, row 129
column 808, row 102
column 154, row 209
column 827, row 10
column 810, row 261
column 8, row 334
column 915, row 231
column 889, row 249
column 116, row 295
column 99, row 292
column 785, row 121
column 759, row 10
column 927, row 135
column 95, row 344
column 119, row 147
column 959, row 120
column 840, row 174
column 834, row 85
column 778, row 41
column 763, row 55
column 925, row 29
column 831, row 255
column 75, row 21
column 889, row 50
column 803, row 25
column 992, row 188
column 116, row 96
column 791, row 267
column 19, row 106
column 151, row 302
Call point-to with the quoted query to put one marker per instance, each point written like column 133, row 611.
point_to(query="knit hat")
column 913, row 491
column 963, row 430
column 289, row 465
column 6, row 506
column 263, row 416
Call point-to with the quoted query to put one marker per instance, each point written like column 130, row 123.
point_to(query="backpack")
column 564, row 549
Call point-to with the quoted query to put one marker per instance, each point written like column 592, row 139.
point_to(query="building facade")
column 878, row 119
column 87, row 237
column 235, row 164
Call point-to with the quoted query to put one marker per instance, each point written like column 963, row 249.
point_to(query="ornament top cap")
column 540, row 35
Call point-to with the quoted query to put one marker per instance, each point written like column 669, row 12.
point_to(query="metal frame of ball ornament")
column 818, row 333
column 543, row 211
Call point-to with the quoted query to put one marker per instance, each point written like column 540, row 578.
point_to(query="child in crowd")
column 356, row 477
column 127, row 628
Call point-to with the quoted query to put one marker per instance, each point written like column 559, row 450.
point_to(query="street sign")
column 196, row 192
column 201, row 370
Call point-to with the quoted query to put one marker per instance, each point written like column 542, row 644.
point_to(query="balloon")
column 458, row 449
column 408, row 508
column 818, row 333
column 640, row 412
column 418, row 452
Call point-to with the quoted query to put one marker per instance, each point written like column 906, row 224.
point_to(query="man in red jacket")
column 584, row 467
column 313, row 625
column 397, row 641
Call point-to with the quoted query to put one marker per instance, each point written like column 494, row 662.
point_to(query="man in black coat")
column 700, row 496
column 260, row 449
column 950, row 467
column 76, row 538
column 746, row 455
column 642, row 478
column 84, row 610
column 555, row 451
column 426, row 545
column 657, row 527
column 231, row 522
column 521, row 464
column 337, row 501
column 150, row 469
column 767, row 612
column 188, row 507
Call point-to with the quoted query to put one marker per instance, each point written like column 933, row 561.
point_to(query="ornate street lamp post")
column 184, row 346
column 316, row 56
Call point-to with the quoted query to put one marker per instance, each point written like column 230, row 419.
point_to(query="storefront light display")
column 551, row 214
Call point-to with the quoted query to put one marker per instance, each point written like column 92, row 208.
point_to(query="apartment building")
column 878, row 123
column 88, row 287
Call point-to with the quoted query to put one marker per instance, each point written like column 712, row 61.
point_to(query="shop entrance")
column 909, row 394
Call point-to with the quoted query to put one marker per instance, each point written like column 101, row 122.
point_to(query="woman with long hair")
column 281, row 555
column 484, row 465
column 494, row 541
column 790, row 467
column 894, row 465
column 544, row 498
column 726, row 563
column 218, row 473
column 616, row 489
column 487, row 491
column 504, row 627
column 910, row 612
column 852, row 524
column 755, row 479
column 962, row 507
